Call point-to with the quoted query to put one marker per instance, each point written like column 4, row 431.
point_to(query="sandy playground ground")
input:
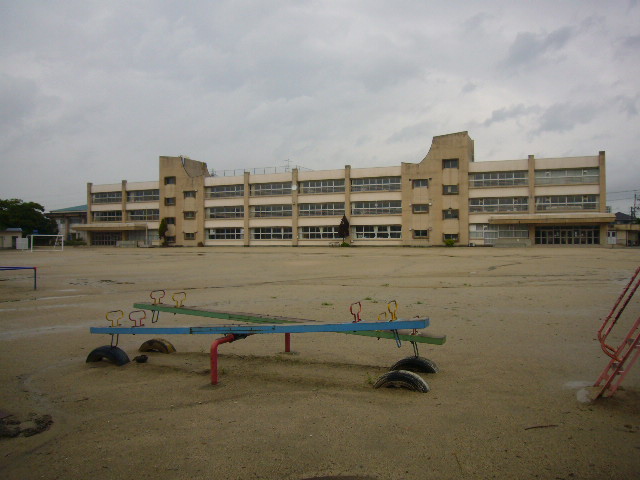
column 520, row 326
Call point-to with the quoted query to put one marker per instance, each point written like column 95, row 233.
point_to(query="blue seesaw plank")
column 260, row 329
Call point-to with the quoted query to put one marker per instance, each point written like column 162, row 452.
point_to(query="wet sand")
column 520, row 325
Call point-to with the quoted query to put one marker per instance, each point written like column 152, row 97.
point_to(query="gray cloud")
column 563, row 117
column 469, row 87
column 529, row 47
column 509, row 113
column 628, row 105
column 412, row 132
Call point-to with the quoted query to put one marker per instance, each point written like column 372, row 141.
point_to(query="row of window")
column 372, row 184
column 381, row 207
column 369, row 184
column 489, row 233
column 133, row 196
column 311, row 233
column 499, row 204
column 544, row 203
column 564, row 176
column 545, row 235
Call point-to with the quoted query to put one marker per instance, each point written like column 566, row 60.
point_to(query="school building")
column 447, row 197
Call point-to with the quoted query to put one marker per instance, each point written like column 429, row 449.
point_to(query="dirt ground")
column 521, row 348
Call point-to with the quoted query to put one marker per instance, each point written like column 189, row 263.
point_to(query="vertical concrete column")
column 531, row 167
column 89, row 212
column 603, row 195
column 247, row 210
column 89, row 203
column 347, row 194
column 294, row 207
column 406, row 172
column 463, row 196
column 123, row 206
column 603, row 182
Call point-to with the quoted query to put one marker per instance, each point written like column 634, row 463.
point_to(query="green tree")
column 343, row 228
column 30, row 216
column 162, row 230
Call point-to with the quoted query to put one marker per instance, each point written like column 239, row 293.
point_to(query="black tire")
column 402, row 379
column 113, row 354
column 157, row 345
column 416, row 364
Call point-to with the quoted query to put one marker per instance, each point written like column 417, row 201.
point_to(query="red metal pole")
column 214, row 356
column 287, row 342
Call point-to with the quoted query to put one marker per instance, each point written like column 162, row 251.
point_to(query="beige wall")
column 194, row 176
column 190, row 175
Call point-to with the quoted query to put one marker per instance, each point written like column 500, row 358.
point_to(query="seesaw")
column 401, row 374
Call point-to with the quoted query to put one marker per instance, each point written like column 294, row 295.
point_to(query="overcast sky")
column 97, row 91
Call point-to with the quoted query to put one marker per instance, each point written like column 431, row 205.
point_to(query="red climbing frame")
column 626, row 354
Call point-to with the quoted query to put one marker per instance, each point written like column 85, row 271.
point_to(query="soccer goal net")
column 47, row 242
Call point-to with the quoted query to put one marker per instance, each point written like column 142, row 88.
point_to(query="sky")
column 96, row 91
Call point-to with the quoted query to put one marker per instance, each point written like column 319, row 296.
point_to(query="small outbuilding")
column 9, row 237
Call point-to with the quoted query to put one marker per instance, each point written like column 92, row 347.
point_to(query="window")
column 421, row 234
column 170, row 220
column 233, row 211
column 321, row 209
column 189, row 194
column 499, row 204
column 499, row 179
column 420, row 183
column 108, row 216
column 106, row 197
column 190, row 215
column 450, row 163
column 375, row 184
column 279, row 188
column 106, row 238
column 189, row 236
column 322, row 186
column 450, row 189
column 378, row 231
column 152, row 195
column 220, row 191
column 449, row 214
column 489, row 233
column 420, row 208
column 225, row 233
column 450, row 236
column 318, row 233
column 568, row 235
column 169, row 180
column 568, row 176
column 381, row 207
column 271, row 233
column 171, row 239
column 259, row 211
column 567, row 202
column 149, row 214
column 169, row 201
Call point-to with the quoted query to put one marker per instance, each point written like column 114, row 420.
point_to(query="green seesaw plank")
column 201, row 312
column 252, row 318
column 420, row 338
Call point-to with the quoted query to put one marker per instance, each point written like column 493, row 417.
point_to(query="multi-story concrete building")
column 66, row 217
column 446, row 197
